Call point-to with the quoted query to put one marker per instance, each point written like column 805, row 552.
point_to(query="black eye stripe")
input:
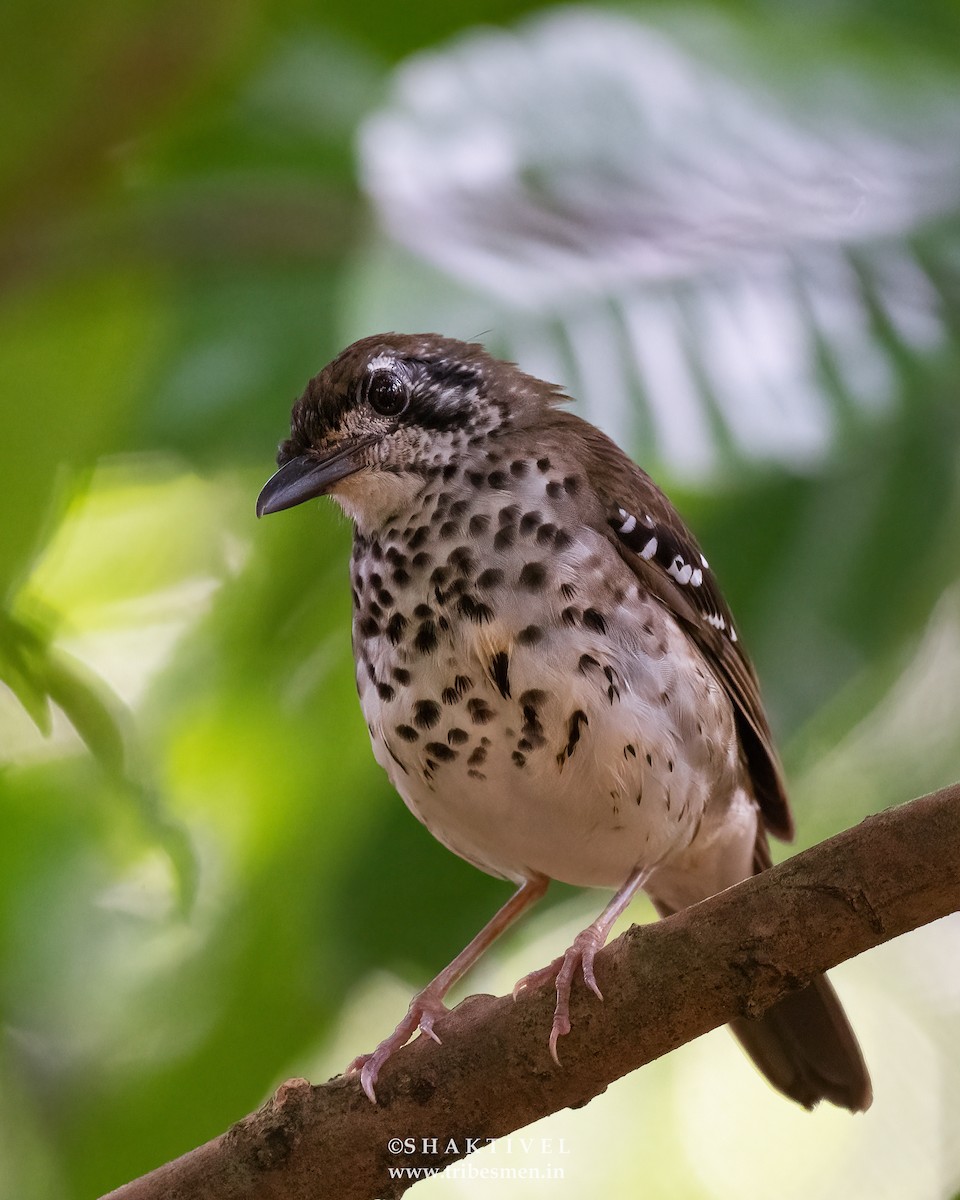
column 450, row 373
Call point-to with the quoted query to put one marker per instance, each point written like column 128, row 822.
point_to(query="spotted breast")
column 535, row 708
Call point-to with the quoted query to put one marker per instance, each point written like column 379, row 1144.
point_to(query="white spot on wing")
column 629, row 524
column 680, row 570
column 649, row 549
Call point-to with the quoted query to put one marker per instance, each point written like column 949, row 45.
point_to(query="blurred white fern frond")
column 707, row 268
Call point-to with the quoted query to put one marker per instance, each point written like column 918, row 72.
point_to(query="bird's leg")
column 427, row 1005
column 581, row 954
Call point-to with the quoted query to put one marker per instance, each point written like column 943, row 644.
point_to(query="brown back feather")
column 624, row 491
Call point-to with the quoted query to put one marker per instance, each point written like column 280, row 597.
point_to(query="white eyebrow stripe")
column 381, row 361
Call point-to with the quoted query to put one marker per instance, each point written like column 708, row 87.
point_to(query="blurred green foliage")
column 201, row 864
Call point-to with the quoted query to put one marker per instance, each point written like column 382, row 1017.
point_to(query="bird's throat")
column 371, row 498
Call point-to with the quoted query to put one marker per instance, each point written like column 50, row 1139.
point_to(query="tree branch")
column 664, row 984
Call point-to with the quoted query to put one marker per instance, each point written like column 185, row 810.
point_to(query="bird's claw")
column 562, row 972
column 423, row 1012
column 530, row 983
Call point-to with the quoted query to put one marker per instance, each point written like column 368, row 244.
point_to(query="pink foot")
column 547, row 974
column 563, row 970
column 424, row 1010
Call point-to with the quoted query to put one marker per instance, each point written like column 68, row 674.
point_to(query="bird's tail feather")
column 805, row 1047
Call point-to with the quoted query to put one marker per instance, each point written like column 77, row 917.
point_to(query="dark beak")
column 304, row 477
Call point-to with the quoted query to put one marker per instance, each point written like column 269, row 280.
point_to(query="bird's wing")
column 653, row 540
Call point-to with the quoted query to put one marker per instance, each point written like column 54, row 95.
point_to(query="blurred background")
column 732, row 230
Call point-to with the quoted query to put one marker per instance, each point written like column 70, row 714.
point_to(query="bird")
column 548, row 670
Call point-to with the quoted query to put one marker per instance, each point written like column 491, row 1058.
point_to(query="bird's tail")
column 805, row 1047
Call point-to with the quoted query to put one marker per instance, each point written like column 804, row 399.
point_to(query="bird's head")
column 391, row 413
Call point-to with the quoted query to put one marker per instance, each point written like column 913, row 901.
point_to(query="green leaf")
column 22, row 670
column 71, row 361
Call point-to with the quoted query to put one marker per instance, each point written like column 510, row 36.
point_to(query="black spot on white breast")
column 426, row 713
column 500, row 673
column 480, row 712
column 577, row 721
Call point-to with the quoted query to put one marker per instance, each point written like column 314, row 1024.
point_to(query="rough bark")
column 664, row 984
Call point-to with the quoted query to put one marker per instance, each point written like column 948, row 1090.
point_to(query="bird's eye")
column 386, row 393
